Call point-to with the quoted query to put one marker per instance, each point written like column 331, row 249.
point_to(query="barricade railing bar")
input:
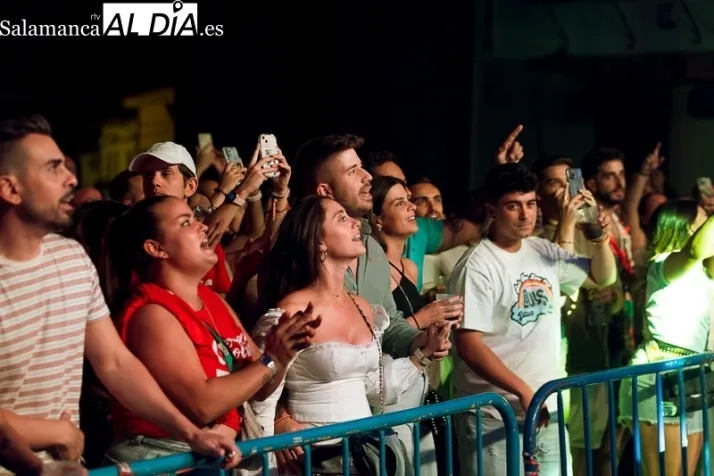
column 610, row 377
column 376, row 425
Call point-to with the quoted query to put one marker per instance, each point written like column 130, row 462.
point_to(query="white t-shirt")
column 678, row 313
column 514, row 299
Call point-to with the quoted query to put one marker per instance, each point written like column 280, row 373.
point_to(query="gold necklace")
column 328, row 292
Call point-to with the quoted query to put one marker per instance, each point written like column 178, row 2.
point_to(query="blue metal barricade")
column 374, row 425
column 609, row 378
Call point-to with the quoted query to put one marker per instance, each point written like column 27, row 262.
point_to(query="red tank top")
column 218, row 277
column 194, row 324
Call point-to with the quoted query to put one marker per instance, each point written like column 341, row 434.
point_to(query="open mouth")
column 357, row 237
column 204, row 243
column 411, row 218
column 67, row 201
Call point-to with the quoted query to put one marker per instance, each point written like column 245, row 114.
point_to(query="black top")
column 406, row 293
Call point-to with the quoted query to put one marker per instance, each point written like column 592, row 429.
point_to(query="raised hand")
column 283, row 180
column 215, row 231
column 256, row 174
column 653, row 161
column 511, row 150
column 438, row 342
column 437, row 311
column 207, row 157
column 232, row 176
column 291, row 334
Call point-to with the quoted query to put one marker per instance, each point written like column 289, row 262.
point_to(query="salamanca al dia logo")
column 155, row 19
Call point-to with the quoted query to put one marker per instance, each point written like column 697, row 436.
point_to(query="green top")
column 425, row 241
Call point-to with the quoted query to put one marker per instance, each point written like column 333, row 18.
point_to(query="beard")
column 50, row 218
column 607, row 200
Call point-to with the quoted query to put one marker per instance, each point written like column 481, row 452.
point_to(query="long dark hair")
column 124, row 255
column 673, row 225
column 381, row 185
column 294, row 260
column 89, row 225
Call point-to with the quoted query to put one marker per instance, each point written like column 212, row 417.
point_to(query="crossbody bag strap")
column 379, row 348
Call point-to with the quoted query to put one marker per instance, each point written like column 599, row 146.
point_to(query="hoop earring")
column 323, row 256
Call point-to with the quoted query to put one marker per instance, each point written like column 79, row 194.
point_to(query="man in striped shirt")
column 52, row 311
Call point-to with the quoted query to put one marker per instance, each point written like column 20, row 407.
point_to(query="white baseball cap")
column 168, row 152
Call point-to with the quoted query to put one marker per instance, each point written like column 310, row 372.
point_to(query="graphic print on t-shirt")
column 535, row 299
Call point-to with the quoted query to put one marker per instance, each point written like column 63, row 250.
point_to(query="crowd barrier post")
column 610, row 377
column 376, row 425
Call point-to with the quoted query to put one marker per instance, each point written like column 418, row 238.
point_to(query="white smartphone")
column 268, row 147
column 231, row 155
column 204, row 139
column 705, row 186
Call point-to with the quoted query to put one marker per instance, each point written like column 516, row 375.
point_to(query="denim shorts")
column 647, row 400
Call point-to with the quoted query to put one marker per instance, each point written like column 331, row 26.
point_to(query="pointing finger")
column 514, row 134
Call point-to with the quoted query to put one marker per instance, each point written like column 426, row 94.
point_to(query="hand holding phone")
column 231, row 155
column 705, row 186
column 269, row 147
column 204, row 140
column 588, row 216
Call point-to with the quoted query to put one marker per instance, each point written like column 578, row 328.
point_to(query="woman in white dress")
column 344, row 375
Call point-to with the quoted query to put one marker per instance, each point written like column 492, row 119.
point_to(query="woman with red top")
column 183, row 332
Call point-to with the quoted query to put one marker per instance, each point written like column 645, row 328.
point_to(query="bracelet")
column 274, row 210
column 218, row 190
column 281, row 196
column 284, row 417
column 254, row 197
column 416, row 322
column 566, row 242
column 237, row 201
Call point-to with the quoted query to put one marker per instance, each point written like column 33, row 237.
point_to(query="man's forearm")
column 459, row 232
column 38, row 433
column 15, row 453
column 399, row 338
column 134, row 387
column 603, row 268
column 488, row 366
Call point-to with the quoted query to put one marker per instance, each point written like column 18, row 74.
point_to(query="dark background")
column 424, row 80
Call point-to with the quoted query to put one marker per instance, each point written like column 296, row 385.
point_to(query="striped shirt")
column 45, row 306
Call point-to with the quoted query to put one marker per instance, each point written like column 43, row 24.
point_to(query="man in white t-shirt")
column 53, row 313
column 509, row 342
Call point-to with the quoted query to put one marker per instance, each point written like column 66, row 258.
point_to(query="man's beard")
column 354, row 212
column 608, row 202
column 58, row 222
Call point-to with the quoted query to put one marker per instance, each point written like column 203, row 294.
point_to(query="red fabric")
column 621, row 253
column 208, row 352
column 218, row 277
